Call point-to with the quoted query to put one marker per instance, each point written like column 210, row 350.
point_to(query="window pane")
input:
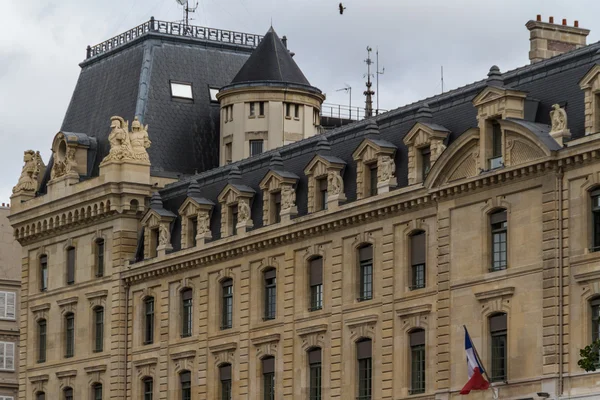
column 100, row 258
column 316, row 297
column 251, row 109
column 314, row 363
column 148, row 389
column 213, row 94
column 68, row 394
column 261, row 108
column 418, row 276
column 99, row 329
column 181, row 90
column 98, row 391
column 425, row 162
column 269, row 386
column 366, row 273
column 496, row 140
column 596, row 227
column 186, row 388
column 43, row 273
column 227, row 312
column 186, row 315
column 373, row 179
column 70, row 265
column 417, row 369
column 42, row 340
column 149, row 320
column 256, row 147
column 365, row 380
column 270, row 294
column 70, row 335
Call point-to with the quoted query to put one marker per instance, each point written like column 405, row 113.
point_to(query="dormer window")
column 275, row 207
column 233, row 212
column 425, row 162
column 372, row 181
column 212, row 92
column 496, row 160
column 181, row 90
column 153, row 242
column 321, row 200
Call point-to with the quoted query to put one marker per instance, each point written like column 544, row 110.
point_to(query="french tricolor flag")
column 476, row 371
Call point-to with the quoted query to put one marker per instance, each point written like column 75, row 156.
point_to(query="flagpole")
column 478, row 358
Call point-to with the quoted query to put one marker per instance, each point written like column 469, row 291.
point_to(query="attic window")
column 181, row 90
column 213, row 94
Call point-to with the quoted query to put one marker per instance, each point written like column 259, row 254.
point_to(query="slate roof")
column 546, row 83
column 134, row 80
column 271, row 62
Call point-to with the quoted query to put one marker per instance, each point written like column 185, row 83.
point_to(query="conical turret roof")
column 271, row 62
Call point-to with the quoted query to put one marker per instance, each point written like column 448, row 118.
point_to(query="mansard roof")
column 271, row 62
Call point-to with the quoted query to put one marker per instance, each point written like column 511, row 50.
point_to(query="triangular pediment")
column 422, row 133
column 191, row 206
column 153, row 218
column 321, row 164
column 370, row 149
column 493, row 93
column 274, row 178
column 232, row 192
column 588, row 79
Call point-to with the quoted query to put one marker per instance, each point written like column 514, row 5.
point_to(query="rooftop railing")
column 346, row 112
column 175, row 29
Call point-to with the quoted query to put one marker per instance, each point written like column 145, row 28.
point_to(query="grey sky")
column 42, row 43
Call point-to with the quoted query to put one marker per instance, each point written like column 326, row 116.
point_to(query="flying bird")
column 342, row 8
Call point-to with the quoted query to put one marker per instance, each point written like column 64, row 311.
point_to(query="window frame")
column 100, row 247
column 425, row 162
column 149, row 325
column 226, row 304
column 256, row 142
column 148, row 388
column 252, row 110
column 496, row 159
column 5, row 297
column 95, row 387
column 373, row 170
column 69, row 335
column 498, row 337
column 498, row 223
column 40, row 396
column 68, row 393
column 187, row 312
column 210, row 94
column 269, row 280
column 315, row 373
column 71, row 260
column 261, row 108
column 185, row 385
column 321, row 193
column 296, row 111
column 98, row 329
column 181, row 84
column 418, row 361
column 268, row 378
column 225, row 381
column 595, row 220
column 315, row 283
column 418, row 260
column 366, row 273
column 364, row 369
column 42, row 336
column 43, row 266
column 4, row 360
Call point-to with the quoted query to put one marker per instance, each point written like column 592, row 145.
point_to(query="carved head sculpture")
column 135, row 125
column 28, row 155
column 555, row 106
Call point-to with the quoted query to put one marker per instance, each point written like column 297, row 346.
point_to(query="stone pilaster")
column 442, row 375
column 23, row 326
column 387, row 312
column 334, row 261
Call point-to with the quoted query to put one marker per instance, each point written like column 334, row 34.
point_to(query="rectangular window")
column 7, row 356
column 322, row 194
column 225, row 378
column 98, row 329
column 212, row 92
column 230, row 112
column 498, row 336
column 181, row 90
column 595, row 304
column 366, row 273
column 275, row 207
column 314, row 365
column 70, row 265
column 148, row 389
column 499, row 240
column 496, row 160
column 251, row 114
column 234, row 219
column 149, row 320
column 43, row 273
column 270, row 294
column 296, row 111
column 42, row 341
column 192, row 231
column 186, row 385
column 69, row 335
column 373, row 180
column 417, row 259
column 425, row 162
column 316, row 284
column 365, row 370
column 227, row 312
column 186, row 315
column 417, row 362
column 228, row 153
column 100, row 257
column 256, row 147
column 268, row 370
column 7, row 305
column 596, row 220
column 154, row 242
column 68, row 394
column 261, row 108
column 287, row 110
column 97, row 388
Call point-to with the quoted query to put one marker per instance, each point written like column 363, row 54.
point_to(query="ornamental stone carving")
column 288, row 198
column 164, row 237
column 335, row 184
column 28, row 181
column 278, row 183
column 126, row 145
column 559, row 130
column 203, row 223
column 387, row 166
column 66, row 166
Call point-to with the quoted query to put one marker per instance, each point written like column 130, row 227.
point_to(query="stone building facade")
column 343, row 265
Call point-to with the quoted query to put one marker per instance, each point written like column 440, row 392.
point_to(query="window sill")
column 413, row 288
column 296, row 119
column 185, row 336
column 313, row 309
column 98, row 351
column 251, row 116
column 265, row 319
column 261, row 116
column 363, row 299
column 416, row 391
column 288, row 117
column 498, row 269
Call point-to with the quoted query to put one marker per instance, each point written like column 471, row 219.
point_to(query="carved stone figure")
column 139, row 140
column 64, row 167
column 288, row 198
column 120, row 145
column 335, row 184
column 243, row 212
column 558, row 116
column 437, row 147
column 28, row 181
column 203, row 223
column 164, row 236
column 388, row 168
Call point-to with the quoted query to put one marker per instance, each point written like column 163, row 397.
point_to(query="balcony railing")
column 175, row 29
column 345, row 112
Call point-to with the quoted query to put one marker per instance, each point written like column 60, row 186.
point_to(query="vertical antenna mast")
column 378, row 73
column 187, row 10
column 369, row 93
column 442, row 79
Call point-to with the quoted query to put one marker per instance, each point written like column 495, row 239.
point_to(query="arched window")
column 43, row 273
column 40, row 396
column 186, row 312
column 148, row 388
column 149, row 320
column 268, row 373
column 417, row 260
column 314, row 374
column 42, row 331
column 97, row 391
column 98, row 329
column 185, row 379
column 68, row 393
column 316, row 283
column 499, row 226
column 417, row 361
column 99, row 258
column 270, row 290
column 498, row 340
column 365, row 369
column 365, row 271
column 227, row 304
column 69, row 335
column 225, row 380
column 70, row 265
column 595, row 196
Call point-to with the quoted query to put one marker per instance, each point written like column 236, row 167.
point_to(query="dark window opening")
column 373, row 179
column 154, row 242
column 256, row 147
column 322, row 194
column 148, row 389
column 287, row 109
column 68, row 393
column 268, row 371
column 70, row 265
column 417, row 362
column 296, row 111
column 365, row 369
column 275, row 207
column 365, row 255
column 186, row 385
column 261, row 108
column 186, row 313
column 69, row 335
column 595, row 220
column 100, row 257
column 43, row 273
column 227, row 304
column 251, row 109
column 496, row 161
column 149, row 320
column 42, row 331
column 417, row 260
column 97, row 389
column 315, row 376
column 425, row 162
column 225, row 378
column 498, row 342
column 270, row 283
column 98, row 329
column 316, row 284
column 234, row 219
column 499, row 240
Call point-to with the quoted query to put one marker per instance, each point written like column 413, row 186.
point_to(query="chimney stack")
column 548, row 39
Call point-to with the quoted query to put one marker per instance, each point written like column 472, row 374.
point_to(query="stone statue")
column 164, row 236
column 70, row 162
column 139, row 140
column 203, row 222
column 28, row 181
column 437, row 147
column 558, row 116
column 66, row 166
column 243, row 212
column 387, row 169
column 335, row 184
column 120, row 145
column 288, row 198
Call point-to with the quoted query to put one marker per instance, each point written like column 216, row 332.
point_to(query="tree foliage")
column 590, row 359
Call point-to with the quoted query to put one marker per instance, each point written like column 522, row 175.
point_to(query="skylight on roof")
column 181, row 90
column 213, row 94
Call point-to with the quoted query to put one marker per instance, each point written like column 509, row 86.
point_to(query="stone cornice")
column 587, row 276
column 265, row 339
column 416, row 310
column 40, row 307
column 183, row 354
column 495, row 293
column 39, row 378
column 312, row 329
column 145, row 361
column 97, row 294
column 95, row 368
column 217, row 348
column 66, row 374
column 364, row 320
column 67, row 302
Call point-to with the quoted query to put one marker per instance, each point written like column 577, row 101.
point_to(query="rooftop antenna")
column 378, row 73
column 369, row 93
column 187, row 10
column 348, row 89
column 442, row 79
